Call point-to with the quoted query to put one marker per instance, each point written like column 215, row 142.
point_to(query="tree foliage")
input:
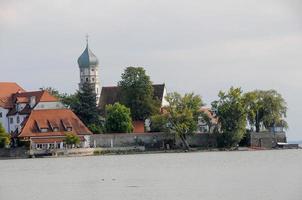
column 267, row 108
column 182, row 115
column 137, row 93
column 4, row 137
column 159, row 123
column 84, row 105
column 118, row 119
column 72, row 139
column 232, row 115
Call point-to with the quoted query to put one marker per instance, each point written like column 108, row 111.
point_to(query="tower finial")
column 87, row 36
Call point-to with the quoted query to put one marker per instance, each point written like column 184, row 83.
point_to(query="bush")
column 118, row 119
column 159, row 123
column 96, row 128
column 4, row 137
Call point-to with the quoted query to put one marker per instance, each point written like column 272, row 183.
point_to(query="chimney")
column 32, row 101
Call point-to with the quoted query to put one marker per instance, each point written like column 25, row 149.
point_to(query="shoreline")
column 175, row 151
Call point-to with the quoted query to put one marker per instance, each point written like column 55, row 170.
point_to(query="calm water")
column 204, row 176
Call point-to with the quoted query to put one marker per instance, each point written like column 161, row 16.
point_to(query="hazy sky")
column 192, row 45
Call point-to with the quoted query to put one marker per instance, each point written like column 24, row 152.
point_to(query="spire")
column 87, row 37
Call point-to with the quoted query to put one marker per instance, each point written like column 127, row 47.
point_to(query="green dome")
column 87, row 59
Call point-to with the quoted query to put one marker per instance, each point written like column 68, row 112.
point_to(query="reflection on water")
column 211, row 176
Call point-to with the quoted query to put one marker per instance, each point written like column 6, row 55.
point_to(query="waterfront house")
column 38, row 118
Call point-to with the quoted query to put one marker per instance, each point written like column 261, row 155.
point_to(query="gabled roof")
column 111, row 95
column 41, row 96
column 6, row 90
column 56, row 118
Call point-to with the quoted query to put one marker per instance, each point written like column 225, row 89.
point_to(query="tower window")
column 86, row 79
column 92, row 79
column 92, row 70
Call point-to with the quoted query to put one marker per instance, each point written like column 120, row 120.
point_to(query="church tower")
column 89, row 70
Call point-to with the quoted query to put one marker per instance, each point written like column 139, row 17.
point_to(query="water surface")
column 258, row 175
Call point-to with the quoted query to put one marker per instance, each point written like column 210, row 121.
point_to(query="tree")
column 4, row 137
column 118, row 119
column 54, row 92
column 182, row 114
column 84, row 105
column 159, row 123
column 137, row 93
column 231, row 112
column 71, row 139
column 267, row 108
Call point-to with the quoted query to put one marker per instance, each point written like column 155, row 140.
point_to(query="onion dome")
column 87, row 58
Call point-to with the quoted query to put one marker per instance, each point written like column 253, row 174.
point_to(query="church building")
column 89, row 70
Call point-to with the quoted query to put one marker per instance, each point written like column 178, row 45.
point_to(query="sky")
column 195, row 46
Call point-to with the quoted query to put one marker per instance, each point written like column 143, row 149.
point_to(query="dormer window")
column 44, row 130
column 69, row 128
column 55, row 129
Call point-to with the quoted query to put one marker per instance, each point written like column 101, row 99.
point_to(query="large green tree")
column 265, row 107
column 4, row 137
column 84, row 105
column 231, row 111
column 182, row 115
column 137, row 93
column 118, row 119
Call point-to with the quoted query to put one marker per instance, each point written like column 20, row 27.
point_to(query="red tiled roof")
column 63, row 118
column 8, row 88
column 41, row 96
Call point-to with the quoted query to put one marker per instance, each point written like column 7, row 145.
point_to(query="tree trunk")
column 185, row 142
column 257, row 124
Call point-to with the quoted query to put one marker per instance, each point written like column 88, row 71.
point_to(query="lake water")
column 257, row 175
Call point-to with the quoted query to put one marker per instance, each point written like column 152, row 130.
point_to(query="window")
column 55, row 129
column 69, row 128
column 92, row 79
column 18, row 119
column 0, row 114
column 39, row 146
column 92, row 70
column 11, row 120
column 87, row 79
column 44, row 130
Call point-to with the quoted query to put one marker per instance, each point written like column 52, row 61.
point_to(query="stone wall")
column 150, row 140
column 267, row 139
column 19, row 152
